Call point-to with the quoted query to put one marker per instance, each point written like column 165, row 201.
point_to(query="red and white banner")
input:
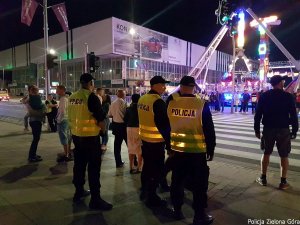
column 61, row 15
column 28, row 11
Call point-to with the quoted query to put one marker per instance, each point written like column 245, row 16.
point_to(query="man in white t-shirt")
column 117, row 112
column 63, row 126
column 24, row 101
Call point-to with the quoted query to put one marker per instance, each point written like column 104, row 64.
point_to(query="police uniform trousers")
column 87, row 153
column 194, row 167
column 153, row 167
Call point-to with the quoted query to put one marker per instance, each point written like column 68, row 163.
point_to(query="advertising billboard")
column 147, row 44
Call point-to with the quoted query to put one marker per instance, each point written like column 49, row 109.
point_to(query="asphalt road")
column 12, row 109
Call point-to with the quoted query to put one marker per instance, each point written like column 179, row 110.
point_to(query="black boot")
column 99, row 204
column 143, row 193
column 202, row 218
column 164, row 187
column 177, row 213
column 153, row 200
column 80, row 194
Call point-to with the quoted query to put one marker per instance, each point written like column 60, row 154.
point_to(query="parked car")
column 4, row 94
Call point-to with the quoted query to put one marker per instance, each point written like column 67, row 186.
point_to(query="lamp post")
column 2, row 76
column 85, row 57
column 133, row 33
column 52, row 52
column 60, row 71
column 233, row 76
column 46, row 71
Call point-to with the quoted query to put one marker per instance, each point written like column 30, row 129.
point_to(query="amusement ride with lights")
column 234, row 22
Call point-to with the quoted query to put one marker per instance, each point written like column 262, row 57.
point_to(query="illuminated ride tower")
column 263, row 48
column 238, row 45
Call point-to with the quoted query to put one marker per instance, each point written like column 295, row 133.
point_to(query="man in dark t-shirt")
column 276, row 108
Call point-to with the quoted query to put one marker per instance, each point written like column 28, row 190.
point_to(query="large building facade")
column 126, row 60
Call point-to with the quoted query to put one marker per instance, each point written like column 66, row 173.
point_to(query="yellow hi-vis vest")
column 185, row 115
column 175, row 95
column 81, row 121
column 148, row 130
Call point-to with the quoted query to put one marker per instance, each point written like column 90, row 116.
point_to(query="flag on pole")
column 61, row 15
column 28, row 11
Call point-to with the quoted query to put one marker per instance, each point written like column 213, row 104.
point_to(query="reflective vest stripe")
column 155, row 134
column 142, row 127
column 187, row 136
column 86, row 129
column 187, row 147
column 152, row 137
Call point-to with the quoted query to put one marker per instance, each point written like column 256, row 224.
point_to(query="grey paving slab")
column 9, row 216
column 41, row 194
column 261, row 210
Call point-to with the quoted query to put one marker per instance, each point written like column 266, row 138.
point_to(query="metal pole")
column 101, row 73
column 140, row 42
column 3, row 77
column 66, row 76
column 233, row 74
column 48, row 82
column 47, row 78
column 85, row 57
column 74, row 83
column 37, row 80
column 60, row 72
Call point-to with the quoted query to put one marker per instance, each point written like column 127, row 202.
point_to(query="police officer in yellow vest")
column 155, row 135
column 85, row 117
column 193, row 142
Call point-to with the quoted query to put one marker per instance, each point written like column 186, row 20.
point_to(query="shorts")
column 282, row 138
column 134, row 142
column 64, row 132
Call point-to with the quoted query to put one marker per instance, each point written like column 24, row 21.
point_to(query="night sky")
column 191, row 20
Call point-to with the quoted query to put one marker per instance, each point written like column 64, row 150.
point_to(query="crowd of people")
column 217, row 100
column 182, row 126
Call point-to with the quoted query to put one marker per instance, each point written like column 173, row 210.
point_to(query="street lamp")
column 54, row 52
column 133, row 33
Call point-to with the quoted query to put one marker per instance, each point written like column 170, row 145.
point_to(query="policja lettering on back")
column 184, row 112
column 186, row 129
column 192, row 140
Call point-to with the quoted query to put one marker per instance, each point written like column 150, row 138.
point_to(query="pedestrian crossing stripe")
column 235, row 137
column 295, row 146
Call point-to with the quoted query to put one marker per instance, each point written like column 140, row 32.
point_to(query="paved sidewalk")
column 41, row 193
